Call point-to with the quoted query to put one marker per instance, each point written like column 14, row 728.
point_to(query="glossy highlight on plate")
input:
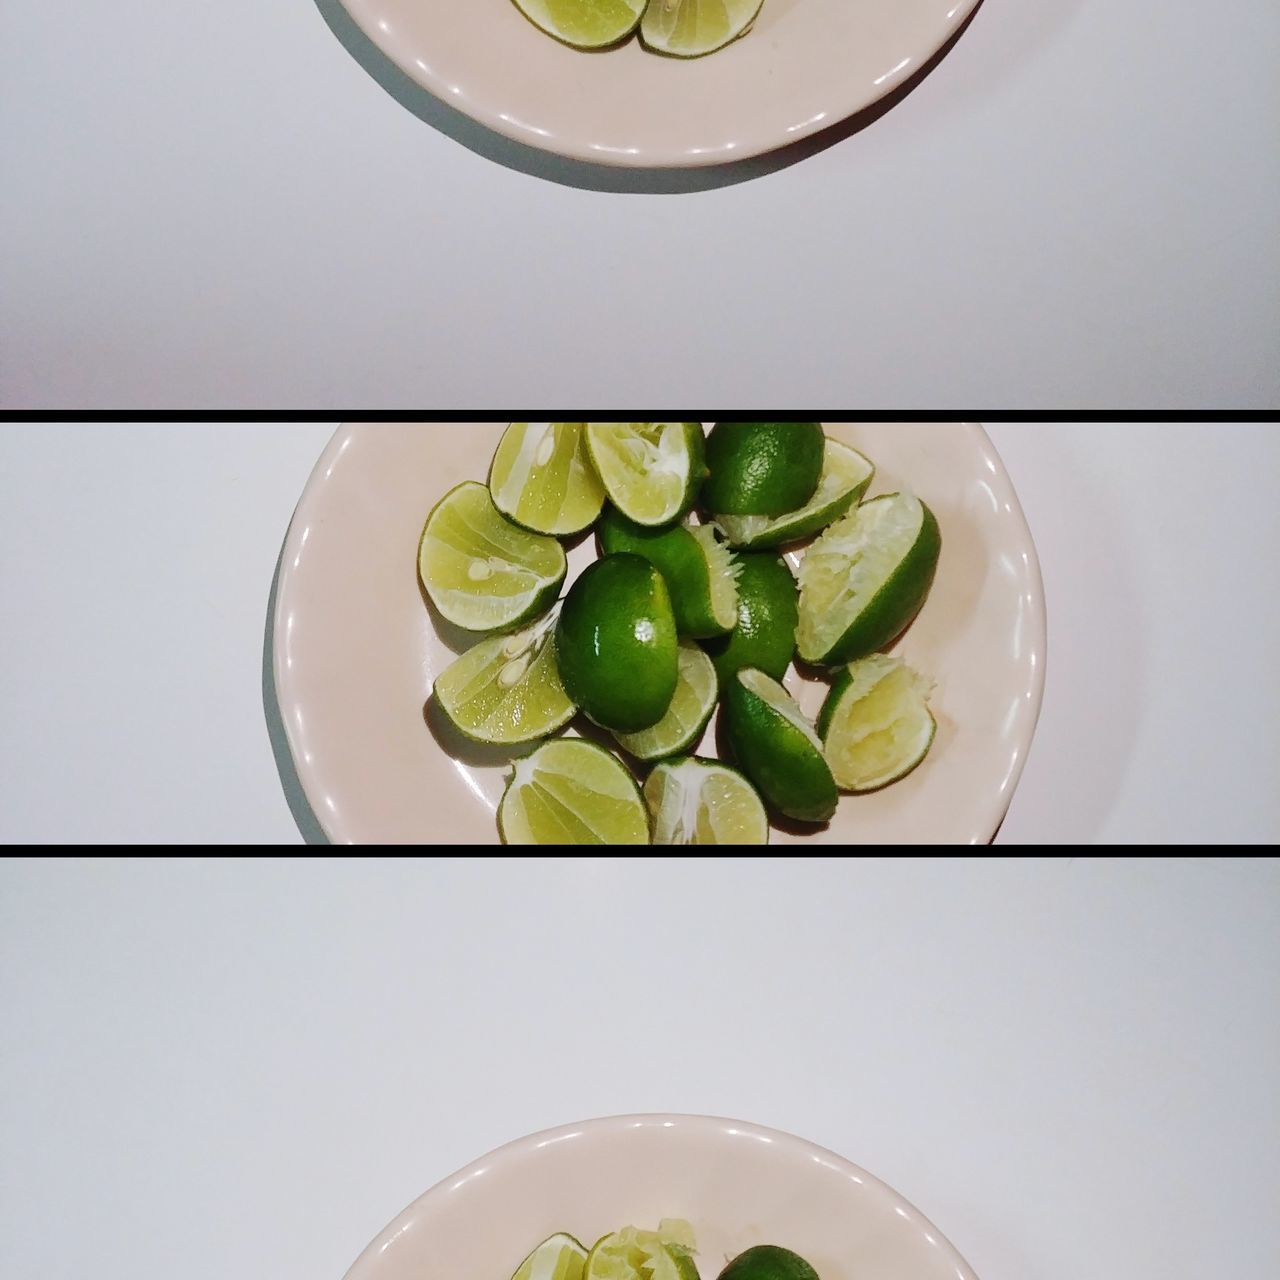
column 803, row 66
column 732, row 1185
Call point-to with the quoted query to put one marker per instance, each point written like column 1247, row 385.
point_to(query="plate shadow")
column 308, row 824
column 592, row 177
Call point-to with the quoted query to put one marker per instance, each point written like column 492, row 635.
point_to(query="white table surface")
column 218, row 206
column 137, row 564
column 231, row 1070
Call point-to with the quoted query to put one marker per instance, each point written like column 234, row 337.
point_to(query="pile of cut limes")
column 682, row 28
column 665, row 1254
column 689, row 605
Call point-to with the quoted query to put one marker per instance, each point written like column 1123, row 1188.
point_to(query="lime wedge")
column 676, row 1231
column 688, row 716
column 690, row 28
column 699, row 570
column 543, row 478
column 572, row 792
column 585, row 24
column 876, row 723
column 697, row 801
column 559, row 1258
column 631, row 1254
column 507, row 689
column 863, row 582
column 652, row 471
column 846, row 476
column 481, row 571
column 778, row 748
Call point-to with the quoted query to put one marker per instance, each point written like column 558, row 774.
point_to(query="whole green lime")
column 762, row 468
column 768, row 612
column 768, row 1262
column 616, row 644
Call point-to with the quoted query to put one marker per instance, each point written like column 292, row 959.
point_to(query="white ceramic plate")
column 739, row 1185
column 806, row 64
column 356, row 652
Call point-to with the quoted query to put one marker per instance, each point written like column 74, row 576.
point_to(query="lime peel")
column 777, row 748
column 724, row 569
column 846, row 476
column 865, row 580
column 689, row 714
column 877, row 723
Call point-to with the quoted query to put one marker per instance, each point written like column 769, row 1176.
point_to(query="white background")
column 215, row 205
column 245, row 1070
column 136, row 565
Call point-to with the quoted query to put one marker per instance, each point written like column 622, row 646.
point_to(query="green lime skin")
column 839, row 687
column 898, row 603
column 616, row 644
column 768, row 1262
column 676, row 555
column 768, row 614
column 762, row 468
column 698, row 470
column 790, row 773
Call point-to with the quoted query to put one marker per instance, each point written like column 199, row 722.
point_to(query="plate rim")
column 498, row 119
column 291, row 559
column 623, row 1122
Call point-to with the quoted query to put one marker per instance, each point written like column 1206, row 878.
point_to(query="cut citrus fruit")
column 690, row 28
column 572, row 792
column 543, row 478
column 876, row 723
column 507, row 689
column 482, row 572
column 697, row 801
column 846, row 476
column 687, row 717
column 616, row 644
column 631, row 1254
column 762, row 468
column 765, row 636
column 584, row 24
column 699, row 569
column 559, row 1258
column 778, row 748
column 652, row 471
column 863, row 582
column 676, row 1231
